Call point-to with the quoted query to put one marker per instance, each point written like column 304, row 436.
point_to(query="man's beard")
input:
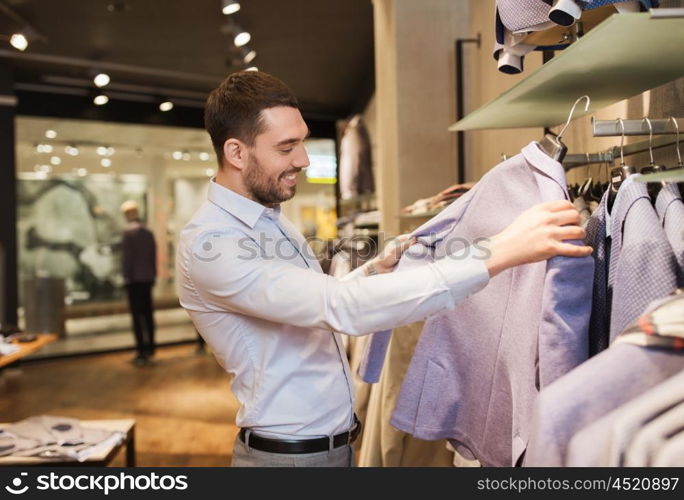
column 265, row 189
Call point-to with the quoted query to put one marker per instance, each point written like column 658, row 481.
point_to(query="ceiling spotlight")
column 101, row 150
column 186, row 156
column 242, row 39
column 71, row 150
column 55, row 160
column 19, row 41
column 101, row 80
column 110, row 151
column 204, row 156
column 252, row 68
column 209, row 172
column 101, row 100
column 50, row 134
column 177, row 155
column 166, row 106
column 250, row 56
column 106, row 162
column 229, row 7
column 81, row 172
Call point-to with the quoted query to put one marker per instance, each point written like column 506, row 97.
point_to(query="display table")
column 26, row 348
column 100, row 459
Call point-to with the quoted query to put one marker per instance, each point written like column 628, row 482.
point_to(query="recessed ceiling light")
column 110, row 151
column 101, row 100
column 82, row 172
column 209, row 172
column 101, row 150
column 71, row 150
column 19, row 41
column 249, row 57
column 55, row 160
column 242, row 39
column 50, row 134
column 204, row 156
column 186, row 156
column 106, row 162
column 177, row 155
column 101, row 80
column 252, row 68
column 166, row 106
column 230, row 7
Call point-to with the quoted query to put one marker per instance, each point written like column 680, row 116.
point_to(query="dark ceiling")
column 323, row 49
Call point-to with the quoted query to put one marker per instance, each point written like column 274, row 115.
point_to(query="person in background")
column 139, row 273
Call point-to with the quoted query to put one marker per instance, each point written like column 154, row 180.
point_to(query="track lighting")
column 229, row 7
column 242, row 39
column 249, row 57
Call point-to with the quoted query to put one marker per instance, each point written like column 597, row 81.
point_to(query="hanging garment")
column 670, row 210
column 355, row 170
column 476, row 369
column 649, row 440
column 599, row 324
column 604, row 442
column 603, row 384
column 672, row 453
column 383, row 445
column 642, row 266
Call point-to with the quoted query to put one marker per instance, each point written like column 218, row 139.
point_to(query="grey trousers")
column 249, row 457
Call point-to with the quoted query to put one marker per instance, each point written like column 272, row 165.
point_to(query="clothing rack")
column 613, row 128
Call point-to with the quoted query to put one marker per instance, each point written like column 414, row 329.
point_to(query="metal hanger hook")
column 572, row 112
column 679, row 154
column 650, row 138
column 622, row 142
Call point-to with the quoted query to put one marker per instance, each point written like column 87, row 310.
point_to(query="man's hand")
column 388, row 259
column 538, row 234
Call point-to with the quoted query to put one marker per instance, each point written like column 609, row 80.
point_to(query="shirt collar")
column 248, row 211
column 545, row 164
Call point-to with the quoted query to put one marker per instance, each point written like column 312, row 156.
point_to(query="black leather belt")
column 287, row 446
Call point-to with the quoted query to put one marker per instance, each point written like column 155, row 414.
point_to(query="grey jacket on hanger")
column 593, row 389
column 642, row 265
column 604, row 443
column 476, row 369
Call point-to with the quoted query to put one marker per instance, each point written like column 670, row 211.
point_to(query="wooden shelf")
column 622, row 57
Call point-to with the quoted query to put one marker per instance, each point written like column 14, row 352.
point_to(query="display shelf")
column 624, row 56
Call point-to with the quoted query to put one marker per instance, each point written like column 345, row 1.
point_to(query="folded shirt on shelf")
column 46, row 436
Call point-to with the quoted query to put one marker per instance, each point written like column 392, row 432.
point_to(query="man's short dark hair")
column 234, row 108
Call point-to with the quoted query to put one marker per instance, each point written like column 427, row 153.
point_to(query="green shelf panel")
column 624, row 56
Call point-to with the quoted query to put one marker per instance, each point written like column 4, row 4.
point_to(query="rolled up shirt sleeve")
column 238, row 278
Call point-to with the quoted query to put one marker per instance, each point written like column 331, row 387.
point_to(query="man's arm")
column 242, row 280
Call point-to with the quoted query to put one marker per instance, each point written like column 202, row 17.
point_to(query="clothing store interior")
column 443, row 120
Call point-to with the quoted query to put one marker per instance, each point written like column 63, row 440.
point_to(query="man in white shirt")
column 256, row 292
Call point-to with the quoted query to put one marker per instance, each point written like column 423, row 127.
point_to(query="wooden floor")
column 182, row 403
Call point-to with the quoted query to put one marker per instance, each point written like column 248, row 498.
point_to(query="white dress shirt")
column 256, row 293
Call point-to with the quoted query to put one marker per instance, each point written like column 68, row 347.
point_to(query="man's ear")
column 235, row 152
